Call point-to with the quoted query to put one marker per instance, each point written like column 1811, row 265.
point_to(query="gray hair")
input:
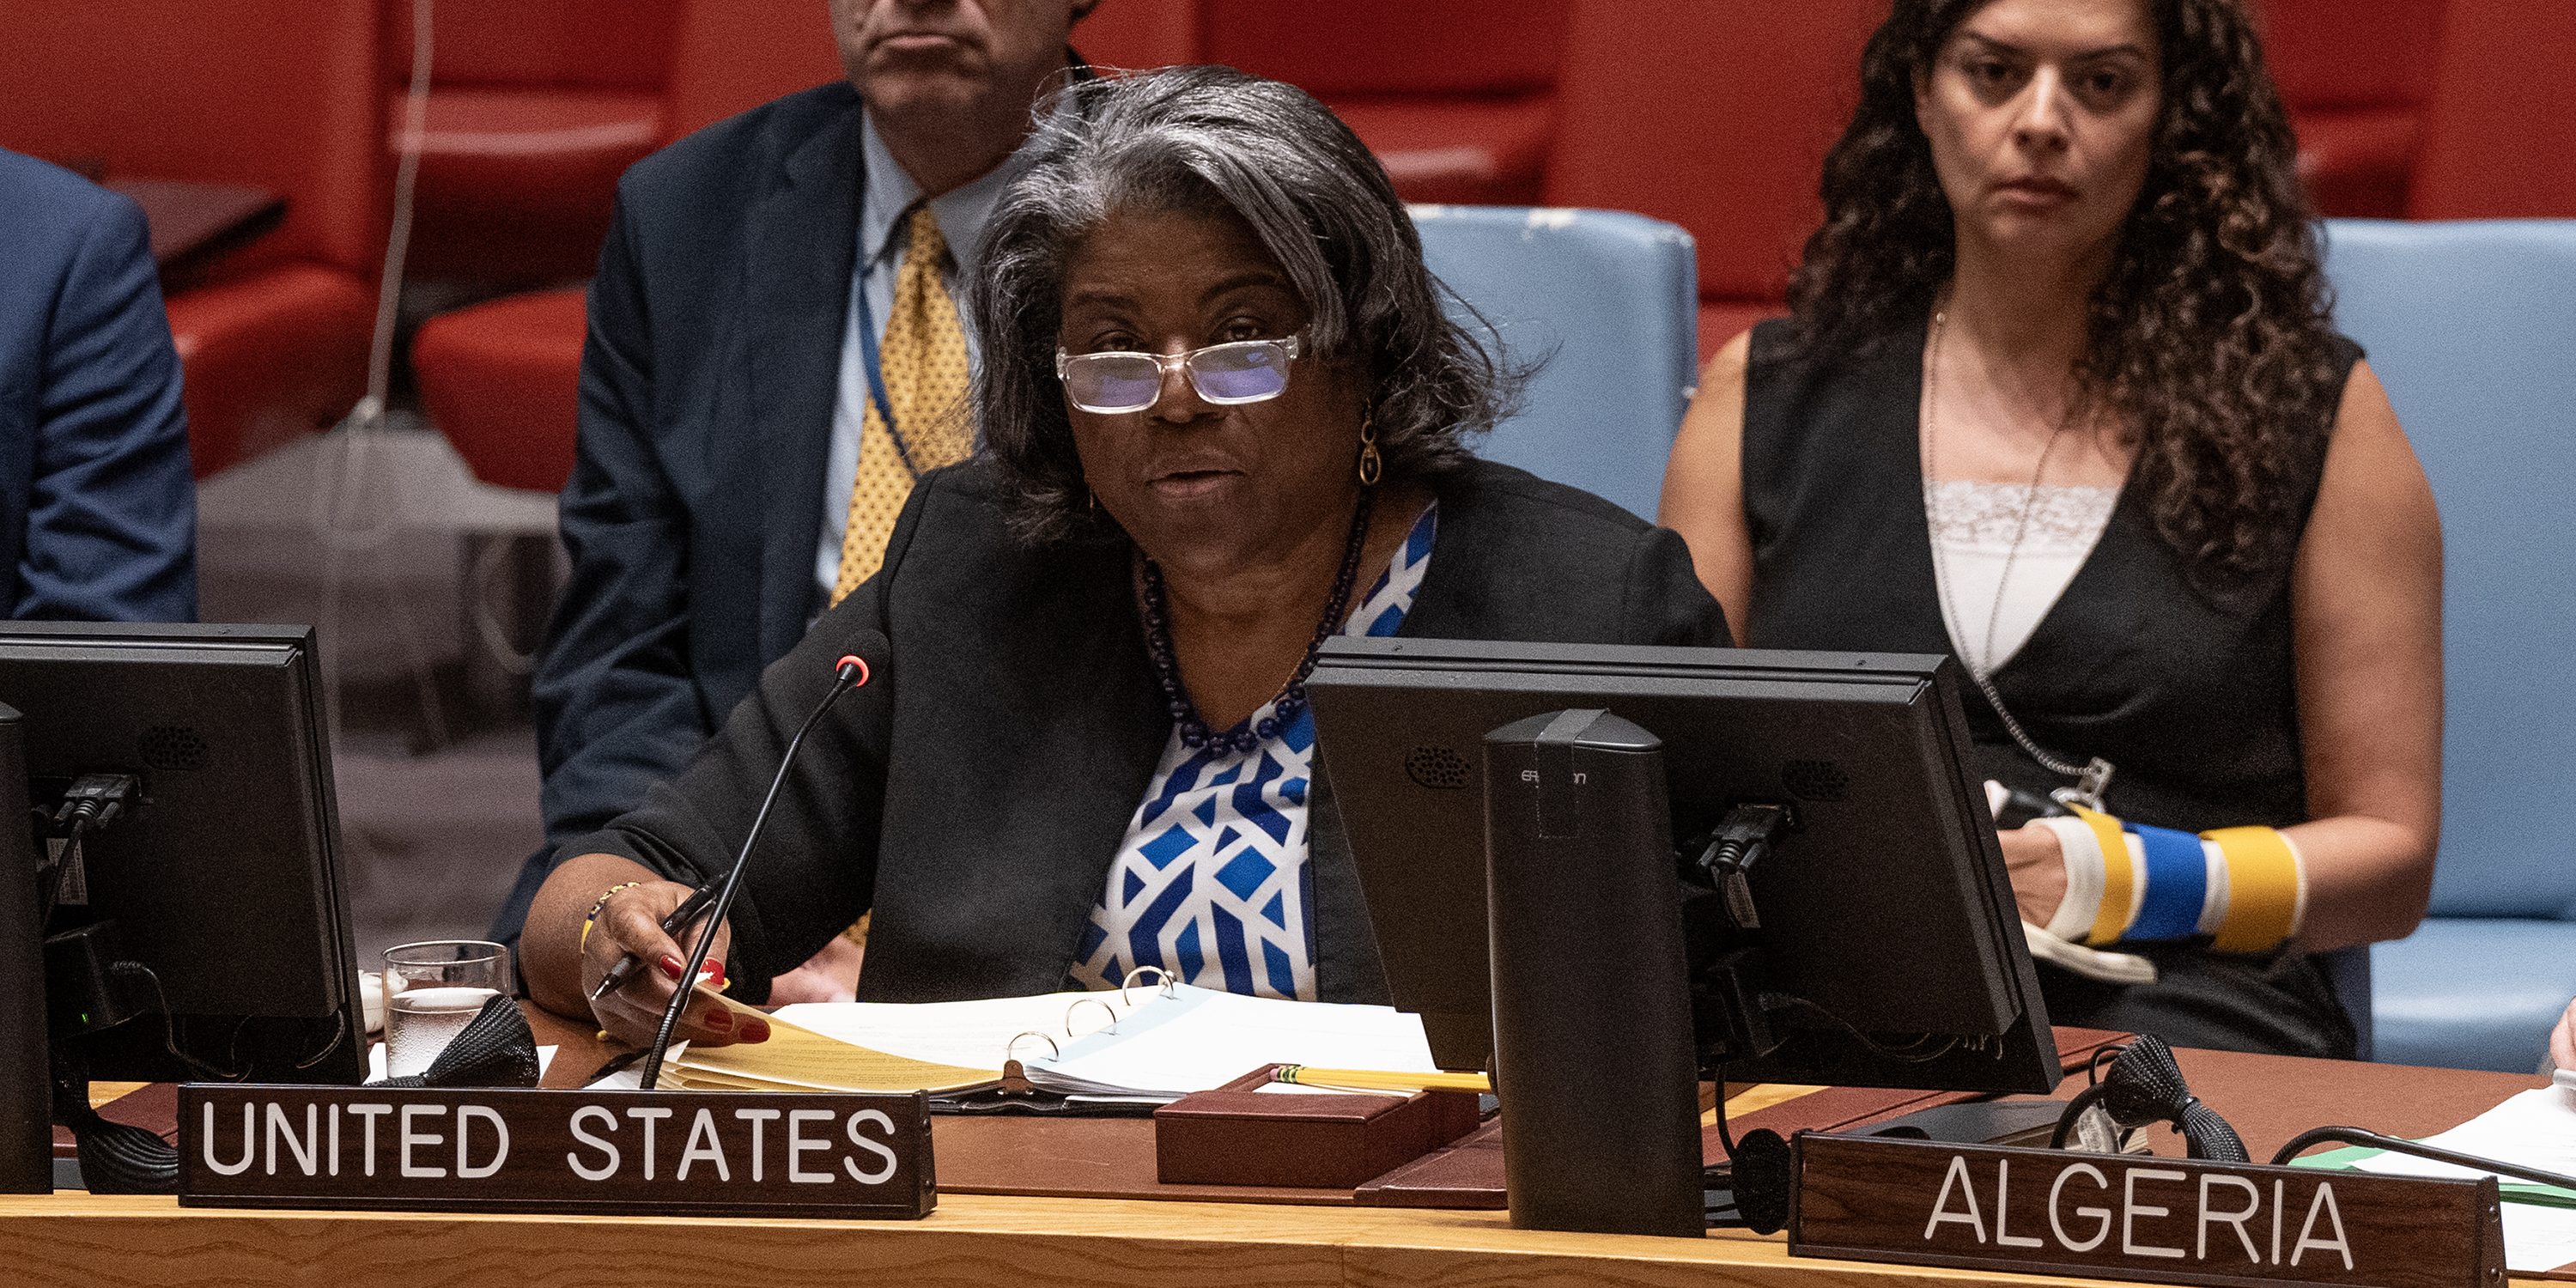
column 1212, row 139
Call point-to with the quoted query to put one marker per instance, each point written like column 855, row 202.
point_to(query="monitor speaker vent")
column 1437, row 767
column 1814, row 780
column 173, row 747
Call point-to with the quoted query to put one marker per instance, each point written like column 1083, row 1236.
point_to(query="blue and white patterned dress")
column 1211, row 882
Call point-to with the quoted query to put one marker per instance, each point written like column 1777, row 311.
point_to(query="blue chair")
column 1609, row 300
column 2472, row 326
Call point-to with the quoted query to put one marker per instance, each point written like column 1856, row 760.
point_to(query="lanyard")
column 868, row 359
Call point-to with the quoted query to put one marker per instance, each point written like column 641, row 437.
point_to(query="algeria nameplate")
column 663, row 1152
column 2130, row 1216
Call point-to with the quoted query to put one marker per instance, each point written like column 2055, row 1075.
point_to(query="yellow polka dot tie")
column 924, row 364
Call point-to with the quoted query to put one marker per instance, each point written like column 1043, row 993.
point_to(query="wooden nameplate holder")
column 1240, row 1135
column 493, row 1150
column 2127, row 1216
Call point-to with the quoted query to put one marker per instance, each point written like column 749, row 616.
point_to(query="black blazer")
column 974, row 794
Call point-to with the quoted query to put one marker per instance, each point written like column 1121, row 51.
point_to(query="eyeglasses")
column 1109, row 384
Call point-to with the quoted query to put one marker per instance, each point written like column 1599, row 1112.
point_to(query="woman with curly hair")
column 2060, row 396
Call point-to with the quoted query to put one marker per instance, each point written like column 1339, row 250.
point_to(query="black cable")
column 1910, row 1054
column 339, row 1034
column 93, row 801
column 170, row 1025
column 1725, row 1134
column 2313, row 1137
column 61, row 884
column 1757, row 1175
column 2093, row 1066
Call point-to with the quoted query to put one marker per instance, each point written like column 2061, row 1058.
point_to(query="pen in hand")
column 688, row 911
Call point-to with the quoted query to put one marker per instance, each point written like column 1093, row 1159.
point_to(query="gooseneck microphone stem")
column 2310, row 1139
column 848, row 673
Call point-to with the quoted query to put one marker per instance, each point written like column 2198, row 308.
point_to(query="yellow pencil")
column 1376, row 1080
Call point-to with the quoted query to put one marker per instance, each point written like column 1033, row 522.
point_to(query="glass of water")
column 433, row 989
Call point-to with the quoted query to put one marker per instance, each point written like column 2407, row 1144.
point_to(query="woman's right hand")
column 631, row 922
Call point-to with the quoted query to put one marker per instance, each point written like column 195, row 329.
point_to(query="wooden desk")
column 972, row 1240
column 2268, row 1099
column 989, row 1239
column 76, row 1239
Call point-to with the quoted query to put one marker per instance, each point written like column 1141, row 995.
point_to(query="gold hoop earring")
column 1372, row 465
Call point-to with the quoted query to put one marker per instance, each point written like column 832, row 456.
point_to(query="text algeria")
column 2200, row 1217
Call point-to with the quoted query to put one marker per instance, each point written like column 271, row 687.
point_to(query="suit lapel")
column 802, row 249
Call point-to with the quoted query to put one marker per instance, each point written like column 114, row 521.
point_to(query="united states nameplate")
column 818, row 1155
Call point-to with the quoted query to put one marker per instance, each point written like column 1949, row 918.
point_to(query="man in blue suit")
column 763, row 286
column 98, row 512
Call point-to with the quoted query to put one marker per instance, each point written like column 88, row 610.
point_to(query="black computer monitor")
column 1886, row 906
column 26, row 1101
column 222, row 880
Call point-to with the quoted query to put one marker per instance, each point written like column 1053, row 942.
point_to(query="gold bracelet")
column 602, row 906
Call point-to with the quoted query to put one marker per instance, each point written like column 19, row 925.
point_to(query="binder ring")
column 1057, row 1052
column 1170, row 985
column 1078, row 1004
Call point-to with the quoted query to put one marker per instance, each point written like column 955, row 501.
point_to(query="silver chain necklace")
column 2094, row 776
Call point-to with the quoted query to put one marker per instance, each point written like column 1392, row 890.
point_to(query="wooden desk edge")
column 83, row 1237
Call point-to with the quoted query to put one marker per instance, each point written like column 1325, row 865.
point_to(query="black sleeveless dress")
column 2186, row 689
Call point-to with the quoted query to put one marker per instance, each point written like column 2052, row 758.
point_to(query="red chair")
column 534, row 110
column 1456, row 97
column 2355, row 75
column 275, row 94
column 1716, row 117
column 2500, row 131
column 500, row 379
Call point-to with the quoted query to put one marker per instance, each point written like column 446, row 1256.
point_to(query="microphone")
column 850, row 671
column 2145, row 1086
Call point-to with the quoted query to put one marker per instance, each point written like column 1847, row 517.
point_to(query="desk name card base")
column 2127, row 1216
column 665, row 1153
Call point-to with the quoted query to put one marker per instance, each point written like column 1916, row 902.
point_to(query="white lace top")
column 1973, row 525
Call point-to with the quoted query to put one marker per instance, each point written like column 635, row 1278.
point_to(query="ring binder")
column 1169, row 986
column 1081, row 1002
column 1014, row 1044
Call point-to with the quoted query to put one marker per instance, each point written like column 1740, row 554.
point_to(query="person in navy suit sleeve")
column 98, row 512
column 722, row 383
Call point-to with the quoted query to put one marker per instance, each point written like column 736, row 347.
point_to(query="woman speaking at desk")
column 2060, row 397
column 1225, row 417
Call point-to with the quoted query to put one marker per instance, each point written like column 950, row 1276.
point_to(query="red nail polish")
column 719, row 1020
column 755, row 1031
column 670, row 966
column 717, row 978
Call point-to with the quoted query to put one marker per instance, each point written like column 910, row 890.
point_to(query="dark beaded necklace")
column 1249, row 735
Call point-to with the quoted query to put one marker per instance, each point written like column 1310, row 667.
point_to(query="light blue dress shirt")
column 885, row 205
